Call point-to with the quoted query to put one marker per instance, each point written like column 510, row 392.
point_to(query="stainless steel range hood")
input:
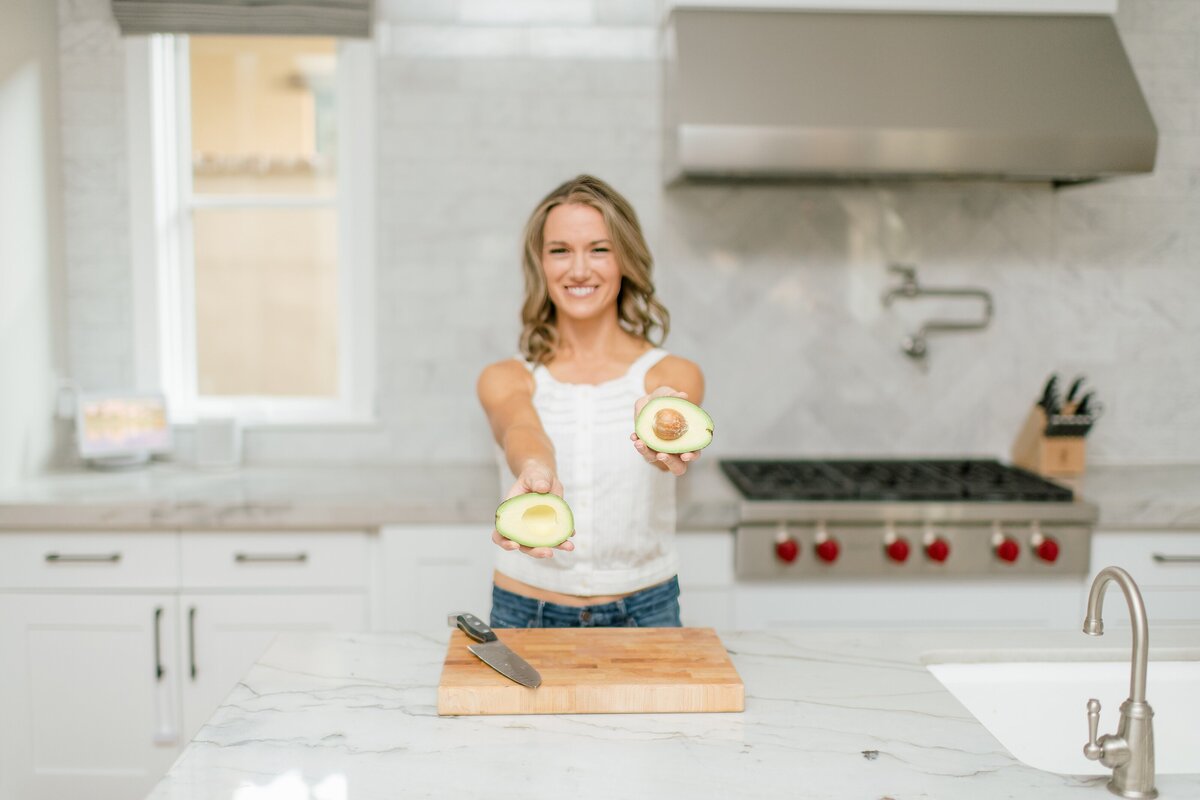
column 832, row 96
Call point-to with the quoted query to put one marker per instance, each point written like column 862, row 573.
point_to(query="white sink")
column 1038, row 710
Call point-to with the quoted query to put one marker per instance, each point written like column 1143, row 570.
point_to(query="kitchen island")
column 829, row 714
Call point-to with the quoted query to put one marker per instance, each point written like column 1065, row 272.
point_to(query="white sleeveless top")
column 624, row 508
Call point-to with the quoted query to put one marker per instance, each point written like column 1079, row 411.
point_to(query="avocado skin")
column 528, row 498
column 644, row 424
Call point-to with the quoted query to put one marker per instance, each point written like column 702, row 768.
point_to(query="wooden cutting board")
column 596, row 671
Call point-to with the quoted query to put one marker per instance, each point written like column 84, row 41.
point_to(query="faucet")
column 908, row 283
column 916, row 345
column 1130, row 751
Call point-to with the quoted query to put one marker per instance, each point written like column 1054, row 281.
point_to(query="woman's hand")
column 675, row 464
column 538, row 478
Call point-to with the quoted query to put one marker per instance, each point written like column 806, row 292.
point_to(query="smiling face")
column 584, row 258
column 583, row 276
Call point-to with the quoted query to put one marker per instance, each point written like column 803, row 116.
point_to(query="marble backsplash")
column 774, row 289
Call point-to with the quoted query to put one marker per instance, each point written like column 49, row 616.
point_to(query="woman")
column 562, row 413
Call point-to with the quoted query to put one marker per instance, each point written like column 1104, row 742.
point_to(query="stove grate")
column 876, row 480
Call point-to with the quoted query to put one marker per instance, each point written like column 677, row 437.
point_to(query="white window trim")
column 161, row 250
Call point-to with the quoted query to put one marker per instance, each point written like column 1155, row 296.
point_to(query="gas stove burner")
column 883, row 480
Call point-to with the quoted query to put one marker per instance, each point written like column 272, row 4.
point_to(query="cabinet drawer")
column 297, row 560
column 76, row 560
column 1153, row 559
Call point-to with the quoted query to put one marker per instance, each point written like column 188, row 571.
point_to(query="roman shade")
column 257, row 17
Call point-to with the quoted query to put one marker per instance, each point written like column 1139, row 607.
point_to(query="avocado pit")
column 669, row 424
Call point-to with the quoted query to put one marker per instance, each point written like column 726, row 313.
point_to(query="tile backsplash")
column 774, row 289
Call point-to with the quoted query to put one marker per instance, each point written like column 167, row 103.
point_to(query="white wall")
column 30, row 232
column 484, row 106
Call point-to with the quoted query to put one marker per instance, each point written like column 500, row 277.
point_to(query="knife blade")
column 495, row 653
column 1085, row 404
column 1074, row 390
column 1049, row 398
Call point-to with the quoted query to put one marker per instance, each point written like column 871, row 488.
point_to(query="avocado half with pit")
column 673, row 425
column 535, row 520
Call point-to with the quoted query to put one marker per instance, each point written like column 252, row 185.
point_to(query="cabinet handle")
column 62, row 558
column 158, row 667
column 192, row 640
column 262, row 558
column 1163, row 558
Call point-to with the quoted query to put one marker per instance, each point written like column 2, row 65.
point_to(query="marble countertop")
column 1144, row 497
column 173, row 496
column 829, row 714
column 168, row 496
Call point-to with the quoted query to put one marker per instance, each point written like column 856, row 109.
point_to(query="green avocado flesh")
column 673, row 425
column 535, row 520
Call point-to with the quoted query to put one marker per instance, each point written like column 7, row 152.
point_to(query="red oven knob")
column 787, row 550
column 827, row 550
column 1045, row 548
column 938, row 549
column 1007, row 549
column 897, row 550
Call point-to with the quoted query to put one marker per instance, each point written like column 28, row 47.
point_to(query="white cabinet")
column 267, row 561
column 429, row 571
column 116, row 648
column 87, row 694
column 895, row 603
column 705, row 578
column 1166, row 567
column 79, row 561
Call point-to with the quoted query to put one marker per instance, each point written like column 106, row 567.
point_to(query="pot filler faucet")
column 915, row 345
column 1130, row 751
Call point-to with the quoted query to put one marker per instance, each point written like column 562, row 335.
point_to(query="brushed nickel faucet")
column 916, row 345
column 1130, row 751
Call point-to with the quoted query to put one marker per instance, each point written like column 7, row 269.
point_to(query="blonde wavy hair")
column 638, row 311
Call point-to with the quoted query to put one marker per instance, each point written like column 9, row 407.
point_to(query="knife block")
column 1052, row 456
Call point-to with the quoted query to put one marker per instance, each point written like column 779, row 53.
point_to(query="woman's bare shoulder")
column 672, row 364
column 679, row 373
column 504, row 376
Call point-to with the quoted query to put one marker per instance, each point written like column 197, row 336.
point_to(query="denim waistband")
column 639, row 602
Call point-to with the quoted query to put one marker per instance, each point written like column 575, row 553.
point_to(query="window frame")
column 160, row 174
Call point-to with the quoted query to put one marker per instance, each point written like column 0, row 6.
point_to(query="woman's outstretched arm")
column 505, row 391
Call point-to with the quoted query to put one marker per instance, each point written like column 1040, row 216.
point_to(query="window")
column 250, row 165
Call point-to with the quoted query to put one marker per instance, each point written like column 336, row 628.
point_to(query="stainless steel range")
column 905, row 519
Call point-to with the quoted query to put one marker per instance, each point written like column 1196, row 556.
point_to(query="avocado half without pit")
column 673, row 425
column 535, row 520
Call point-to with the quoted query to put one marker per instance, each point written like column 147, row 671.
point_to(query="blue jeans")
column 654, row 607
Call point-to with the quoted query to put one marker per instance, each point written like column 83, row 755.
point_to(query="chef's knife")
column 495, row 653
column 1074, row 390
column 1049, row 399
column 1085, row 405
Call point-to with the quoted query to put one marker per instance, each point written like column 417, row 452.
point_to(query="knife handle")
column 474, row 627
